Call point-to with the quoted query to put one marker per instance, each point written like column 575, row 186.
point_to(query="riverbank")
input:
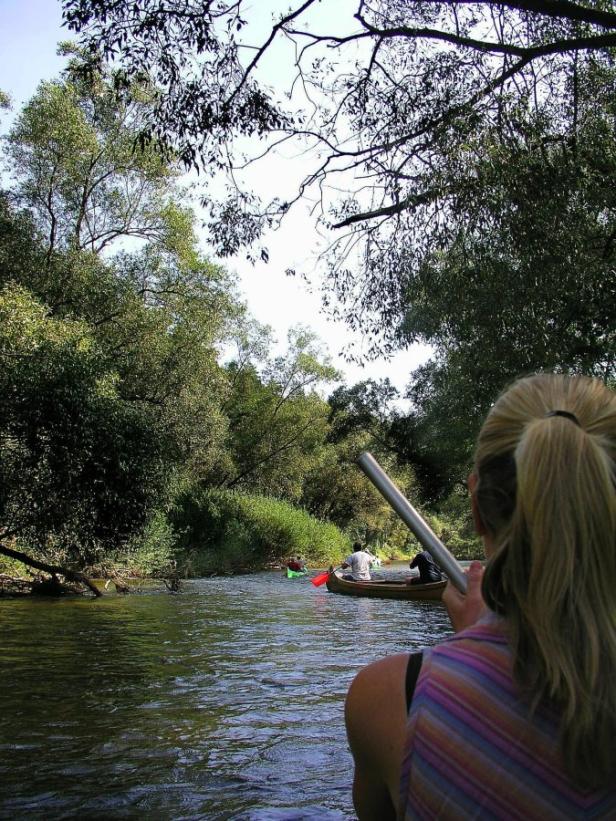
column 16, row 580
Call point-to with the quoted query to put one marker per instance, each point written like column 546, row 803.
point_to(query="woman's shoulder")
column 378, row 678
column 376, row 699
column 375, row 717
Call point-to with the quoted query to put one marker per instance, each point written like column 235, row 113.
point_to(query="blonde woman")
column 515, row 715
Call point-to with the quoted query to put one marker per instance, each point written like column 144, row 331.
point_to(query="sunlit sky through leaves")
column 29, row 33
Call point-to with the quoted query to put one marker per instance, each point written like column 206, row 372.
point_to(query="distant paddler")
column 426, row 569
column 296, row 566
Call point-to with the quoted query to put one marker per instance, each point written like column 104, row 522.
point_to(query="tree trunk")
column 53, row 570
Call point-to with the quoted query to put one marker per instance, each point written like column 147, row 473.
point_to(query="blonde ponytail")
column 546, row 462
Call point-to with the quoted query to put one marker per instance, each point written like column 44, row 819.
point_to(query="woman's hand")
column 465, row 609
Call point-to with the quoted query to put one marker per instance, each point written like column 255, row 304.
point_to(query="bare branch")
column 275, row 29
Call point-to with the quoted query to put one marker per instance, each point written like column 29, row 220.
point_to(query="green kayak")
column 294, row 574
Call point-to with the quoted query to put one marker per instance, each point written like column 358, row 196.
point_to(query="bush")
column 453, row 524
column 225, row 531
column 152, row 553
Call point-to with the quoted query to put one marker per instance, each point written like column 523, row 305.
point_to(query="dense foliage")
column 225, row 530
column 114, row 394
column 80, row 467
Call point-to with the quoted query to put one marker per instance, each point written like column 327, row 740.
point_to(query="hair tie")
column 566, row 414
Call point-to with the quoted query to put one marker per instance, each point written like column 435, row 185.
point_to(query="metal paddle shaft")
column 411, row 518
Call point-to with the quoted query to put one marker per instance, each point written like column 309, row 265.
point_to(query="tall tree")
column 277, row 419
column 112, row 388
column 72, row 157
column 160, row 309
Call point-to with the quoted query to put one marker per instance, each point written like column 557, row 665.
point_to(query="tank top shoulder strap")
column 412, row 674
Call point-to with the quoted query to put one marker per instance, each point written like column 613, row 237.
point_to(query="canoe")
column 385, row 589
column 295, row 574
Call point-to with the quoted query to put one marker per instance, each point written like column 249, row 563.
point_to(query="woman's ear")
column 480, row 528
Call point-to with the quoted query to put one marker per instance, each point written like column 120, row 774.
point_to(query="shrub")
column 453, row 524
column 226, row 531
column 152, row 553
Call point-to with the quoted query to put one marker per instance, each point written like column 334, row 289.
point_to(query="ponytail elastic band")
column 566, row 414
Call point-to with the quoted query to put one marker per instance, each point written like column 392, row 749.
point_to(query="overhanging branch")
column 54, row 570
column 412, row 201
column 562, row 9
column 488, row 46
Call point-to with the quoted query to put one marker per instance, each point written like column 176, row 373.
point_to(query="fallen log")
column 53, row 570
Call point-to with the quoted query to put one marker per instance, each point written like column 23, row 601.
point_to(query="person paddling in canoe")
column 297, row 564
column 514, row 716
column 428, row 570
column 359, row 563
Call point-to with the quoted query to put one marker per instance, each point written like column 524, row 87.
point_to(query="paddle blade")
column 320, row 579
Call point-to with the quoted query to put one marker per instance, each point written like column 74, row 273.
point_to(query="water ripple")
column 225, row 702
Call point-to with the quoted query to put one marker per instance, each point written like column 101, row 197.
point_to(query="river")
column 224, row 701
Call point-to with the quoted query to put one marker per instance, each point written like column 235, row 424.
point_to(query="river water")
column 222, row 702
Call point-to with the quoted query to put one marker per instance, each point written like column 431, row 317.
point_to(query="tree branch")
column 563, row 9
column 270, row 455
column 527, row 52
column 54, row 570
column 275, row 29
column 389, row 210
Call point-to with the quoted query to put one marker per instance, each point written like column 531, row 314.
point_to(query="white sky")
column 29, row 33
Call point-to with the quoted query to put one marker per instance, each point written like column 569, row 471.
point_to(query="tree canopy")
column 71, row 154
column 459, row 153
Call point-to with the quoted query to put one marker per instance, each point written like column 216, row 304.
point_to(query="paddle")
column 323, row 577
column 411, row 518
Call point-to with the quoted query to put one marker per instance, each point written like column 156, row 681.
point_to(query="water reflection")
column 224, row 702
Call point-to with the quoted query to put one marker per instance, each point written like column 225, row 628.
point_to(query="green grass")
column 226, row 531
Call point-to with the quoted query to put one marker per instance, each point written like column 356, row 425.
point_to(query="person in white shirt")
column 359, row 561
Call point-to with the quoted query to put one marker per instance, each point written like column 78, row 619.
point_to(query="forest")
column 145, row 424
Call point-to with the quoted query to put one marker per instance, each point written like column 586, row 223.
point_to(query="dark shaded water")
column 222, row 702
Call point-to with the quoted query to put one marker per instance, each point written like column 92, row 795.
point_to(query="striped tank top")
column 471, row 749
